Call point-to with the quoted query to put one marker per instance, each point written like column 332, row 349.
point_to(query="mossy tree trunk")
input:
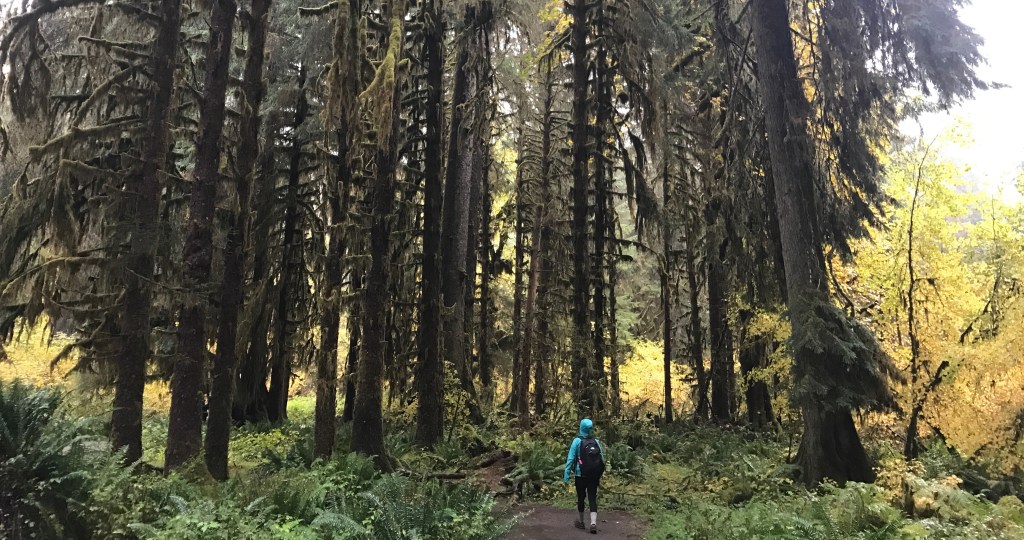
column 284, row 327
column 126, row 418
column 184, row 428
column 430, row 368
column 695, row 329
column 455, row 218
column 218, row 424
column 830, row 447
column 382, row 101
column 723, row 372
column 582, row 374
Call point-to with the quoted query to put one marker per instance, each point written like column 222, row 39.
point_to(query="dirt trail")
column 548, row 523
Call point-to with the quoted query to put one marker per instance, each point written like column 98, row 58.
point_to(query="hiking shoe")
column 579, row 525
column 593, row 528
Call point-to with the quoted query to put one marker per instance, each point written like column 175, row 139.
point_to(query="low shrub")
column 45, row 470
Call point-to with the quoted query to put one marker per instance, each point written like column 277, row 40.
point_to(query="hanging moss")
column 379, row 97
column 838, row 361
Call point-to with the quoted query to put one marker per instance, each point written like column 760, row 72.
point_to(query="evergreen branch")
column 147, row 17
column 133, row 46
column 319, row 10
column 35, row 152
column 20, row 22
column 101, row 90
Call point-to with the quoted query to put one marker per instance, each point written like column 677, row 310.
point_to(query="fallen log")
column 490, row 459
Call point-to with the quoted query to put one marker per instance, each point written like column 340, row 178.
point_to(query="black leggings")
column 587, row 488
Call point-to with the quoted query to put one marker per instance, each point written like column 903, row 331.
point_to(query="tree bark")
column 368, row 411
column 343, row 111
column 487, row 271
column 582, row 376
column 539, row 349
column 280, row 366
column 754, row 356
column 830, row 447
column 542, row 335
column 911, row 447
column 218, row 424
column 126, row 418
column 696, row 332
column 326, row 408
column 185, row 422
column 430, row 368
column 472, row 251
column 723, row 373
column 666, row 314
column 355, row 331
column 251, row 399
column 601, row 216
column 666, row 300
column 532, row 323
column 455, row 225
column 519, row 400
column 613, row 340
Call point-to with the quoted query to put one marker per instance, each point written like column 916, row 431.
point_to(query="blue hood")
column 586, row 428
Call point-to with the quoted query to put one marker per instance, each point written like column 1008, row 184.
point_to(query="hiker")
column 586, row 461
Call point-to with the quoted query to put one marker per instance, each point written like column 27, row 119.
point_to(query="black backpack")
column 591, row 461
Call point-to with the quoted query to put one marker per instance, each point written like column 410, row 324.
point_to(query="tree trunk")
column 355, row 330
column 579, row 124
column 696, row 332
column 280, row 366
column 455, row 226
column 218, row 424
column 723, row 374
column 126, row 418
column 326, row 409
column 472, row 252
column 430, row 369
column 601, row 217
column 368, row 412
column 911, row 448
column 519, row 400
column 542, row 336
column 754, row 356
column 539, row 349
column 666, row 314
column 342, row 107
column 778, row 262
column 830, row 447
column 759, row 404
column 666, row 299
column 613, row 341
column 251, row 395
column 487, row 271
column 185, row 422
column 532, row 322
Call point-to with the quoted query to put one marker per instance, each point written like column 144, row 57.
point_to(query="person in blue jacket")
column 586, row 462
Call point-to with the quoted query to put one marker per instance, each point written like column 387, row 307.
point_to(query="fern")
column 44, row 473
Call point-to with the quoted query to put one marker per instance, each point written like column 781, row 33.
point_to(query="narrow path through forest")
column 549, row 523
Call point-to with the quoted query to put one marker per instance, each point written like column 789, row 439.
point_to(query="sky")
column 995, row 117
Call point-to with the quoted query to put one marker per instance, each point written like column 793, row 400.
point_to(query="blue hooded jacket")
column 571, row 461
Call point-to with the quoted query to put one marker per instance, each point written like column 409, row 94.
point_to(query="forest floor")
column 537, row 521
column 541, row 522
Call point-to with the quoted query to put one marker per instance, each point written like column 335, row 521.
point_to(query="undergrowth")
column 58, row 479
column 695, row 482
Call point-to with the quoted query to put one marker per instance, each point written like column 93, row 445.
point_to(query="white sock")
column 581, row 517
column 593, row 519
